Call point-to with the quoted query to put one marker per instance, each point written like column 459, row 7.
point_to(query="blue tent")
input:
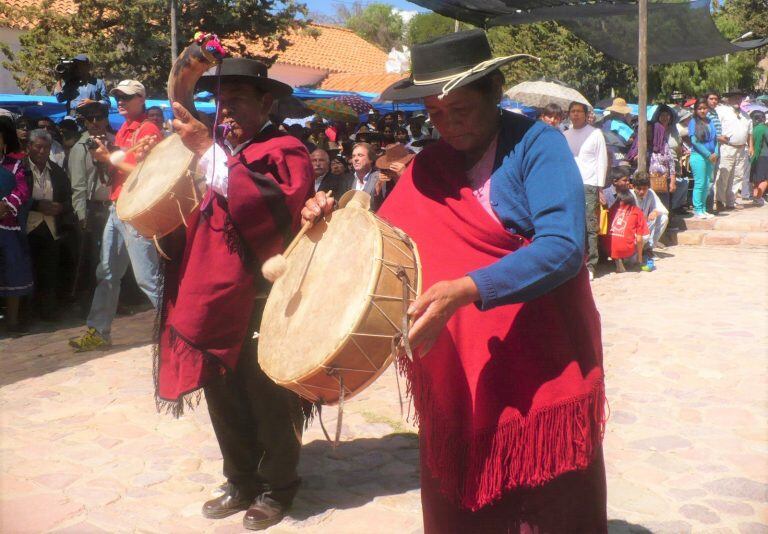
column 36, row 106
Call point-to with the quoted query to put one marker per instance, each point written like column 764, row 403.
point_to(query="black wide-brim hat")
column 447, row 63
column 238, row 69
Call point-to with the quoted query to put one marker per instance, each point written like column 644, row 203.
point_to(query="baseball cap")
column 129, row 87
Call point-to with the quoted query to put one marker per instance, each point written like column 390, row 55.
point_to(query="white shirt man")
column 587, row 145
column 735, row 147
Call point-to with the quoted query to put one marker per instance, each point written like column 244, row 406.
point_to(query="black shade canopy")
column 676, row 31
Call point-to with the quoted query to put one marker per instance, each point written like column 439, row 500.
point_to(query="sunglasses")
column 94, row 117
column 123, row 97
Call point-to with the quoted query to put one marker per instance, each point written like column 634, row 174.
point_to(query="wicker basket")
column 659, row 182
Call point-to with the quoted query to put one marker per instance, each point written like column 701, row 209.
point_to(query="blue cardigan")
column 537, row 192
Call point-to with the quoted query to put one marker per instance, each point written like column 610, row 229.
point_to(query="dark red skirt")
column 574, row 503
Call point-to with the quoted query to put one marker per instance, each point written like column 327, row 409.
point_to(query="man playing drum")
column 507, row 377
column 258, row 180
column 121, row 244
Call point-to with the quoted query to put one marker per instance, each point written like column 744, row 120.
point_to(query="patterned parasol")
column 540, row 93
column 355, row 102
column 333, row 110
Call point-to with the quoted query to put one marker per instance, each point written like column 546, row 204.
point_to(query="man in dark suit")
column 325, row 180
column 51, row 217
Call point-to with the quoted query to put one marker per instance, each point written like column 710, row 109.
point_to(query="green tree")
column 377, row 23
column 564, row 57
column 425, row 26
column 132, row 39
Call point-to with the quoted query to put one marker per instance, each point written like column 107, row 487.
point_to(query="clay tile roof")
column 329, row 48
column 365, row 83
column 62, row 7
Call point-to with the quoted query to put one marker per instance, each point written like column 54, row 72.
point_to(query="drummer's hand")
column 100, row 154
column 431, row 311
column 194, row 134
column 316, row 207
column 143, row 146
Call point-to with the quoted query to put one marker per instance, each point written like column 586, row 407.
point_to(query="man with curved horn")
column 258, row 180
column 507, row 376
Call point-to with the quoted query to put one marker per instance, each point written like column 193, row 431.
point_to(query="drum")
column 332, row 320
column 160, row 192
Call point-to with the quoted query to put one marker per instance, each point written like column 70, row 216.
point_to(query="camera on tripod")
column 65, row 68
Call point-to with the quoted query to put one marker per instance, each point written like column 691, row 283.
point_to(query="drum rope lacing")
column 399, row 339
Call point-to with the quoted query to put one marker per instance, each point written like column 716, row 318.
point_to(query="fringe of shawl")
column 475, row 469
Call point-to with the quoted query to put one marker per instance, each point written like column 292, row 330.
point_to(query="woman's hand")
column 316, row 208
column 431, row 311
column 672, row 184
column 713, row 158
column 4, row 209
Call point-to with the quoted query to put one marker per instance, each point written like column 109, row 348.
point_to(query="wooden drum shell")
column 160, row 193
column 366, row 350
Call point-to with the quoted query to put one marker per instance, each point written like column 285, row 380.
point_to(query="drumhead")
column 322, row 296
column 154, row 177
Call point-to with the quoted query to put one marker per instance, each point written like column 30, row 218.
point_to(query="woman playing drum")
column 507, row 379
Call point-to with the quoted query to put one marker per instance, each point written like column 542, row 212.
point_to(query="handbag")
column 659, row 182
column 602, row 228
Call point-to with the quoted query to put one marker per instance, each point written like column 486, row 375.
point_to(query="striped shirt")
column 713, row 117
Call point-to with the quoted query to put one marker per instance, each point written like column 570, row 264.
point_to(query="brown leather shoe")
column 234, row 500
column 264, row 513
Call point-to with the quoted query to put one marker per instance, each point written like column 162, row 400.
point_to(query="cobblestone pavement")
column 82, row 449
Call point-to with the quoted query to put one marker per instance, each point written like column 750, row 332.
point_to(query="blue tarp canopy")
column 35, row 106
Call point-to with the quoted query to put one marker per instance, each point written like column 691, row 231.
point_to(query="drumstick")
column 118, row 156
column 275, row 266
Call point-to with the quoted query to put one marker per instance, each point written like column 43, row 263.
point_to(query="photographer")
column 90, row 190
column 121, row 244
column 76, row 84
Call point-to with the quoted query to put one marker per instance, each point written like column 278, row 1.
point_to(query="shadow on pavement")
column 356, row 473
column 619, row 526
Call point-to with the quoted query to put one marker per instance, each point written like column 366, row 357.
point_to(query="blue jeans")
column 702, row 179
column 120, row 246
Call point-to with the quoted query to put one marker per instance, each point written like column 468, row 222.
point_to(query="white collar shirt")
column 213, row 164
column 737, row 126
column 42, row 189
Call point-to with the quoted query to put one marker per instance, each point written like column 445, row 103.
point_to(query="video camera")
column 65, row 68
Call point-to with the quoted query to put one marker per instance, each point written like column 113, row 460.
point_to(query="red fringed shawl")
column 209, row 296
column 510, row 397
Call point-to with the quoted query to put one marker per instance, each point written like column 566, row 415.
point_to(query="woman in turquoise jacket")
column 703, row 157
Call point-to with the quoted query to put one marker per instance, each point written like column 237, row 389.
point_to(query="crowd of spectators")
column 55, row 197
column 709, row 156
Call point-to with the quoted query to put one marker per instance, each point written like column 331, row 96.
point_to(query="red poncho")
column 209, row 296
column 510, row 397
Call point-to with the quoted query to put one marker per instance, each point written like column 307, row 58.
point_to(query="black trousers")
column 258, row 425
column 45, row 252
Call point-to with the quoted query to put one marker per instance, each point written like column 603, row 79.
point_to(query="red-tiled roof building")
column 329, row 57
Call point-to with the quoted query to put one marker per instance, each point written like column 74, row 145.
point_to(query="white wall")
column 296, row 76
column 10, row 37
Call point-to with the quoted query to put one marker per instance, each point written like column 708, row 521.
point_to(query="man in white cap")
column 121, row 244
